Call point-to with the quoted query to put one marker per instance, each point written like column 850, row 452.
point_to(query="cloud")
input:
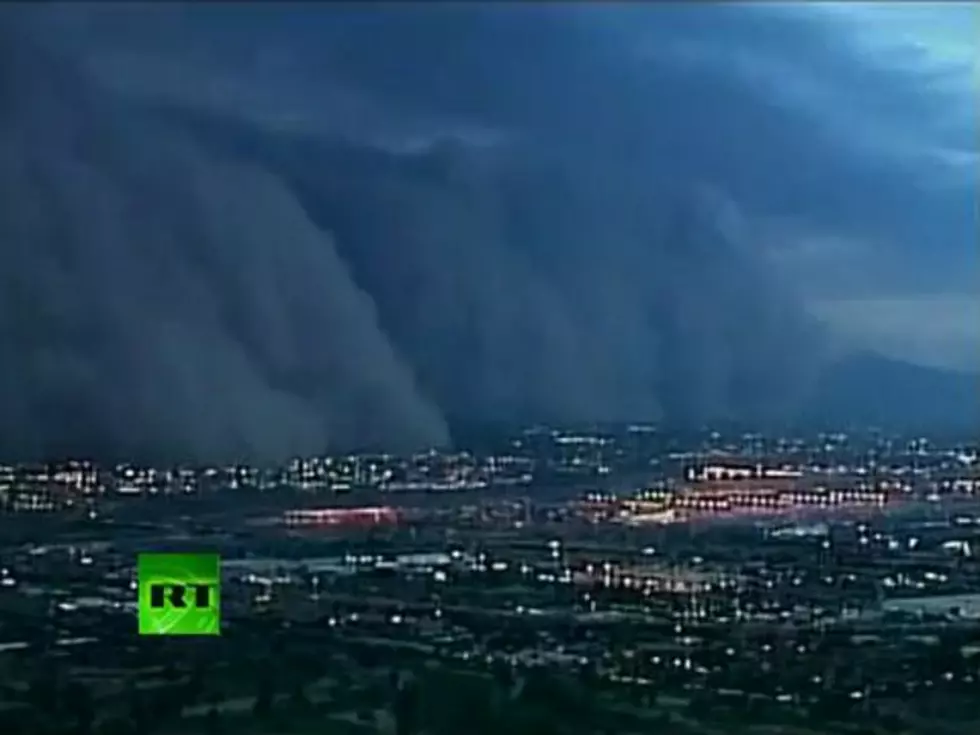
column 260, row 232
column 162, row 301
column 931, row 331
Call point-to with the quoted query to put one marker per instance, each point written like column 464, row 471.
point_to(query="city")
column 618, row 580
column 489, row 368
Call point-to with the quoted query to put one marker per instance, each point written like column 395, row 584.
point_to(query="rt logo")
column 179, row 594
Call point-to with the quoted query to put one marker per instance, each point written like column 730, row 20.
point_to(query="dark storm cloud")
column 158, row 299
column 262, row 231
column 775, row 104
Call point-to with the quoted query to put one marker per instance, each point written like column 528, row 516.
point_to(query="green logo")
column 179, row 594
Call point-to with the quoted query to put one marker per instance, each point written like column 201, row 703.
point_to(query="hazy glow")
column 931, row 331
column 941, row 37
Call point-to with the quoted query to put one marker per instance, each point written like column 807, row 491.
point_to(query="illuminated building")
column 768, row 494
column 361, row 516
column 731, row 491
column 656, row 578
column 640, row 518
column 33, row 489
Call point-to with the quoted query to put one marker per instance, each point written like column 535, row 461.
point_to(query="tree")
column 262, row 708
column 137, row 707
column 212, row 722
column 406, row 707
column 528, row 719
column 564, row 697
column 42, row 692
column 299, row 698
column 366, row 656
column 193, row 687
column 118, row 726
column 455, row 703
column 700, row 704
column 79, row 708
column 503, row 675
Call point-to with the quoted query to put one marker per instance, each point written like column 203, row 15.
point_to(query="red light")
column 342, row 516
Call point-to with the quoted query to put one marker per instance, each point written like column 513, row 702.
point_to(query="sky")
column 934, row 47
column 893, row 85
column 370, row 221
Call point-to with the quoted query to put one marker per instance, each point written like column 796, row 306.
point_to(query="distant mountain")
column 866, row 389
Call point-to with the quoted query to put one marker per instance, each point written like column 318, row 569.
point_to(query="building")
column 733, row 490
column 965, row 606
column 359, row 516
column 656, row 578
